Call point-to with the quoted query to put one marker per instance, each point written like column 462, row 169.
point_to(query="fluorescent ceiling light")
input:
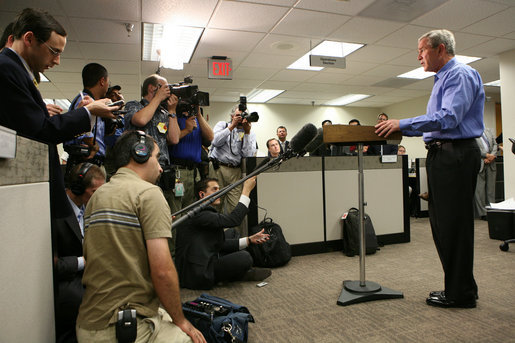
column 347, row 99
column 175, row 44
column 420, row 74
column 496, row 83
column 326, row 48
column 43, row 78
column 263, row 95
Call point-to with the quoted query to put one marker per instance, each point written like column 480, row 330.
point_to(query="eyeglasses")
column 55, row 53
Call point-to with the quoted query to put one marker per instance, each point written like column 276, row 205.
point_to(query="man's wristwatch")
column 172, row 115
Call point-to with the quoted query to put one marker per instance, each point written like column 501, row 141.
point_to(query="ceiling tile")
column 93, row 30
column 377, row 54
column 265, row 60
column 352, row 31
column 293, row 75
column 178, row 12
column 495, row 25
column 491, row 48
column 457, row 14
column 406, row 37
column 302, row 23
column 286, row 45
column 340, row 7
column 103, row 51
column 125, row 10
column 260, row 18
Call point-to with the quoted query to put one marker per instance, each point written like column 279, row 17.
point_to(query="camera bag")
column 275, row 252
column 219, row 320
column 351, row 233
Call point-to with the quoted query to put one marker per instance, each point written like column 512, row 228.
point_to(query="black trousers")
column 232, row 266
column 452, row 169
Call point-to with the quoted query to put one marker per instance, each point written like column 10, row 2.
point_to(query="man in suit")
column 205, row 254
column 281, row 136
column 38, row 43
column 84, row 180
column 274, row 147
column 453, row 121
column 485, row 187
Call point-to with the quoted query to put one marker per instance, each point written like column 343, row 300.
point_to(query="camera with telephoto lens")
column 189, row 97
column 115, row 123
column 251, row 117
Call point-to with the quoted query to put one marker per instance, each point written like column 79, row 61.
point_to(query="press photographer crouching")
column 129, row 271
column 233, row 141
column 205, row 254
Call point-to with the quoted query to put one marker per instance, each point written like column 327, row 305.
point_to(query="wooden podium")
column 354, row 292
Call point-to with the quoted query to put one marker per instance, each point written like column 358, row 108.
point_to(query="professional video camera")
column 189, row 96
column 252, row 117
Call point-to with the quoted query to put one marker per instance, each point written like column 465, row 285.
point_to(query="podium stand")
column 354, row 292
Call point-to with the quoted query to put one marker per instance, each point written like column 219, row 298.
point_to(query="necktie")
column 81, row 221
column 485, row 141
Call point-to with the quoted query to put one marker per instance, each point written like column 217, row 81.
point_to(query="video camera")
column 189, row 96
column 252, row 117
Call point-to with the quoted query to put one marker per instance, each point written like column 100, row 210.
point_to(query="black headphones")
column 140, row 152
column 77, row 185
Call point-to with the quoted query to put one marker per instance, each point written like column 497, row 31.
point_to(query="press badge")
column 179, row 186
column 179, row 189
column 162, row 128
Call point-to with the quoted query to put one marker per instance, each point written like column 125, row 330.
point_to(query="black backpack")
column 351, row 234
column 275, row 252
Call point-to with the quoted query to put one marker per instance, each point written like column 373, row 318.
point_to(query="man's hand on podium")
column 387, row 127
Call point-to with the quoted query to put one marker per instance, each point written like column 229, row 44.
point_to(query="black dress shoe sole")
column 436, row 294
column 444, row 303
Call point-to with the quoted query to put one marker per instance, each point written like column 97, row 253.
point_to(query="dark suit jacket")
column 286, row 146
column 22, row 109
column 388, row 149
column 199, row 242
column 69, row 247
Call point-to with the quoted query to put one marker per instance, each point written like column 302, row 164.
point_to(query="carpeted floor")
column 299, row 303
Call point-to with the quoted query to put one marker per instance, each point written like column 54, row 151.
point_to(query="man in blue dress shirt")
column 453, row 119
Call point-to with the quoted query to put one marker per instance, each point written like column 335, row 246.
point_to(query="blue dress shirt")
column 455, row 108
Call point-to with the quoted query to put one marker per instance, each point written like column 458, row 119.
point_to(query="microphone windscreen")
column 303, row 137
column 316, row 142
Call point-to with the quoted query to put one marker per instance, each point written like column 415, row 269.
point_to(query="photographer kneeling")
column 205, row 254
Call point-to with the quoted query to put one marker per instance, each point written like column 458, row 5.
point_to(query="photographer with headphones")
column 84, row 180
column 130, row 270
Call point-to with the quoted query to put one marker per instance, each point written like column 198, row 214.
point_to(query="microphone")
column 303, row 137
column 315, row 143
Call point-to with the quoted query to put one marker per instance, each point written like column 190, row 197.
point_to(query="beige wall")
column 293, row 117
column 507, row 72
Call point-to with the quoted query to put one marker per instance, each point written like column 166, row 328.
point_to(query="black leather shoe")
column 441, row 301
column 442, row 293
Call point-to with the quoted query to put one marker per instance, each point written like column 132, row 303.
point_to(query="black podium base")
column 353, row 293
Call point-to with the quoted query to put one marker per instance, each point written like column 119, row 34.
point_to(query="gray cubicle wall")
column 26, row 289
column 307, row 197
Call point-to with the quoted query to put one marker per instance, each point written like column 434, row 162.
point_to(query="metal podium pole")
column 354, row 292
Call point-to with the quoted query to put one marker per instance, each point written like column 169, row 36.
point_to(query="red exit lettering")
column 221, row 68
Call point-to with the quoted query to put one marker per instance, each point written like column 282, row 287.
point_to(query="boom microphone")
column 315, row 143
column 303, row 137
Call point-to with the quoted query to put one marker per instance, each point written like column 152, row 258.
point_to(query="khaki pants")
column 157, row 329
column 227, row 176
column 187, row 177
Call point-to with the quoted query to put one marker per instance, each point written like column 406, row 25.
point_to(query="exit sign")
column 219, row 69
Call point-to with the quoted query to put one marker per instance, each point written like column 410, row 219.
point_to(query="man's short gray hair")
column 437, row 37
